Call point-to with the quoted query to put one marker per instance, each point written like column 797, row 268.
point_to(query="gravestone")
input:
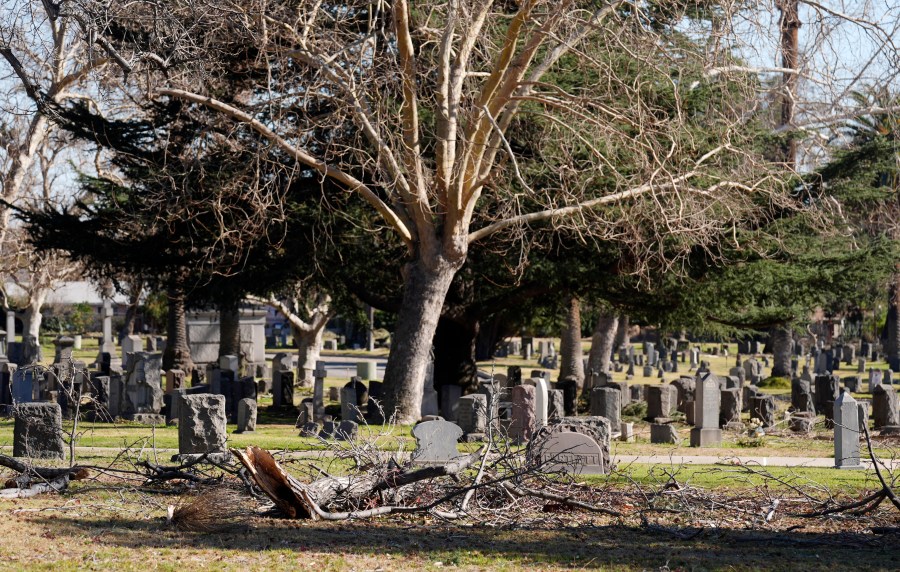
column 513, row 376
column 556, row 408
column 450, row 395
column 686, row 388
column 334, row 394
column 597, row 428
column 730, row 409
column 648, row 371
column 430, row 395
column 143, row 396
column 201, row 426
column 627, row 430
column 282, row 363
column 541, row 400
column 523, row 415
column 624, row 394
column 24, row 385
column 346, row 430
column 174, row 380
column 828, row 387
column 801, row 397
column 131, row 345
column 569, row 387
column 367, row 370
column 246, row 415
column 885, row 410
column 319, row 375
column 606, row 402
column 472, row 414
column 436, row 441
column 349, row 408
column 661, row 400
column 874, row 379
column 566, row 451
column 283, row 390
column 374, row 408
column 853, row 384
column 706, row 432
column 637, row 392
column 37, row 432
column 861, row 365
column 762, row 407
column 663, row 433
column 311, row 429
column 846, row 432
column 492, row 394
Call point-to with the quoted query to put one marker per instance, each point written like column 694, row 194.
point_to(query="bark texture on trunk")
column 454, row 355
column 892, row 348
column 602, row 342
column 309, row 347
column 178, row 352
column 782, row 345
column 622, row 337
column 571, row 356
column 424, row 291
column 230, row 332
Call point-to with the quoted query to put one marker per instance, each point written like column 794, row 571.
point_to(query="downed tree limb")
column 49, row 473
column 300, row 500
column 55, row 485
column 568, row 501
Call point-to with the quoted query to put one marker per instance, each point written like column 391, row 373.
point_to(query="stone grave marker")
column 576, row 453
column 319, row 375
column 706, row 432
column 885, row 409
column 606, row 402
column 661, row 401
column 37, row 431
column 436, row 441
column 801, row 397
column 663, row 433
column 472, row 415
column 730, row 409
column 541, row 401
column 846, row 432
column 762, row 407
column 367, row 370
column 450, row 395
column 202, row 426
column 246, row 415
column 523, row 413
column 556, row 409
column 874, row 379
column 346, row 430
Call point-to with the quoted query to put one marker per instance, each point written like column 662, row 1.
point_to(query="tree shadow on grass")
column 581, row 547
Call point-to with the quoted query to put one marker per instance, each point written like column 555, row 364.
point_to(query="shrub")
column 776, row 383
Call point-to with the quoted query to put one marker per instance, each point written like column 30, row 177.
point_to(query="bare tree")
column 571, row 355
column 307, row 312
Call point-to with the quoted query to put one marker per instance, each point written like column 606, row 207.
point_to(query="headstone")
column 229, row 363
column 334, row 394
column 202, row 424
column 686, row 388
column 801, row 397
column 311, row 429
column 637, row 392
column 606, row 402
column 828, row 388
column 885, row 408
column 706, row 432
column 762, row 407
column 436, row 441
column 472, row 414
column 861, row 365
column 24, row 385
column 565, row 451
column 491, row 392
column 367, row 370
column 627, row 430
column 730, row 409
column 246, row 415
column 523, row 414
column 37, row 432
column 319, row 375
column 569, row 388
column 131, row 345
column 624, row 394
column 846, row 432
column 349, row 408
column 347, row 430
column 541, row 401
column 874, row 379
column 556, row 409
column 174, row 380
column 853, row 383
column 663, row 433
column 283, row 391
column 374, row 406
column 143, row 388
column 661, row 401
column 450, row 395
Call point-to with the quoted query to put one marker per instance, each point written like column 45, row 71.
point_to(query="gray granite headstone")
column 846, row 432
column 37, row 432
column 706, row 433
column 201, row 424
column 436, row 441
column 575, row 453
column 472, row 413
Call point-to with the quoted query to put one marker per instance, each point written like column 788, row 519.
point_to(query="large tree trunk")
column 893, row 323
column 178, row 352
column 309, row 347
column 622, row 337
column 425, row 288
column 602, row 342
column 230, row 331
column 782, row 344
column 454, row 355
column 32, row 316
column 571, row 356
column 130, row 315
